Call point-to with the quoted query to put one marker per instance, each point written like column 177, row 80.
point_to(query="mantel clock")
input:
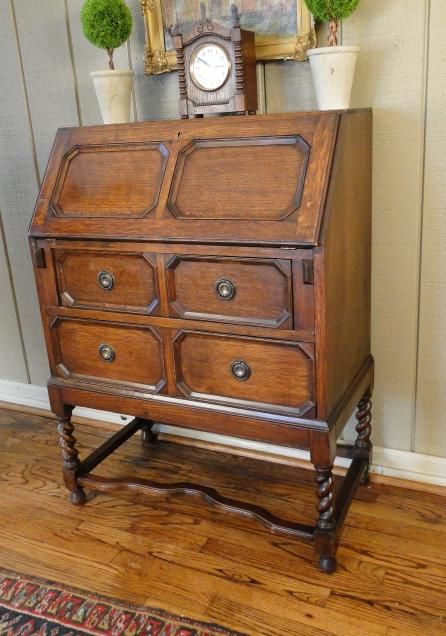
column 216, row 69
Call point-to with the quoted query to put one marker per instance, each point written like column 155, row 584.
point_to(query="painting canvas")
column 284, row 28
column 274, row 19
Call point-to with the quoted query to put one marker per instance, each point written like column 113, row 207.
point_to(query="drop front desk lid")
column 247, row 179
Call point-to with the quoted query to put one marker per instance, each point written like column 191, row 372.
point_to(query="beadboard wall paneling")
column 159, row 100
column 431, row 396
column 12, row 355
column 391, row 75
column 289, row 87
column 18, row 191
column 48, row 70
column 45, row 84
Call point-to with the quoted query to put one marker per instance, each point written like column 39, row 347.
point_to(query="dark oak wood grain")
column 107, row 280
column 244, row 291
column 224, row 287
column 300, row 227
column 343, row 264
column 105, row 352
column 206, row 366
column 84, row 183
column 261, row 178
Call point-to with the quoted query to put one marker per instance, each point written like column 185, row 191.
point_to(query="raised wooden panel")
column 257, row 178
column 128, row 281
column 110, row 181
column 267, row 174
column 136, row 356
column 280, row 374
column 249, row 291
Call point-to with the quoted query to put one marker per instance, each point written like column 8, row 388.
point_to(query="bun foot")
column 365, row 476
column 148, row 436
column 327, row 564
column 147, row 433
column 78, row 497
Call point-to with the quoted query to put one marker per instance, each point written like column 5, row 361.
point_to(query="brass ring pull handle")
column 225, row 289
column 107, row 353
column 240, row 370
column 105, row 280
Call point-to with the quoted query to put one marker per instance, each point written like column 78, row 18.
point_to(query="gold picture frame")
column 268, row 47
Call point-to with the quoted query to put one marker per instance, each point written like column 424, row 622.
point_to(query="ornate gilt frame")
column 157, row 60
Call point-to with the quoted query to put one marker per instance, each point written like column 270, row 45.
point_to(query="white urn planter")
column 333, row 69
column 114, row 93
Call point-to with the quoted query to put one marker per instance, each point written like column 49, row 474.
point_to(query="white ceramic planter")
column 333, row 69
column 114, row 92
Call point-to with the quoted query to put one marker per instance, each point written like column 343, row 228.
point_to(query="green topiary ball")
column 326, row 10
column 106, row 23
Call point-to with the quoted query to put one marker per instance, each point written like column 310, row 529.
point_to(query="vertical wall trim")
column 14, row 298
column 73, row 64
column 129, row 54
column 265, row 101
column 25, row 93
column 424, row 89
column 261, row 88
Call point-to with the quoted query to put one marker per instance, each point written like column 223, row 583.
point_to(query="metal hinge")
column 39, row 257
column 308, row 273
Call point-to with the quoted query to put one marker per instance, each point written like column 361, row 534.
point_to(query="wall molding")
column 388, row 462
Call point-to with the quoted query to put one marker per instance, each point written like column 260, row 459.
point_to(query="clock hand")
column 200, row 59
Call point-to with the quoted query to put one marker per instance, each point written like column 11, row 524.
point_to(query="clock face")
column 209, row 67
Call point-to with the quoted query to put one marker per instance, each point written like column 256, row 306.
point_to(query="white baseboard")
column 388, row 462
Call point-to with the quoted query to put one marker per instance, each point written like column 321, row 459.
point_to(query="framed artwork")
column 284, row 28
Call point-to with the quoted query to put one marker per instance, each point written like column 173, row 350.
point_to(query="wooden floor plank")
column 177, row 554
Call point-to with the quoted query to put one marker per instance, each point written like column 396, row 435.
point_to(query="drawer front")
column 258, row 373
column 107, row 280
column 247, row 291
column 110, row 354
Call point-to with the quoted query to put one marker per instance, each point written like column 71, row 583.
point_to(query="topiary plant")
column 106, row 24
column 332, row 11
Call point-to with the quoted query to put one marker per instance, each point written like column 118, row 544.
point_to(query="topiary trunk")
column 333, row 32
column 110, row 59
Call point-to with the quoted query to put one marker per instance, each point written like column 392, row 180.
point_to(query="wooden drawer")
column 107, row 353
column 107, row 280
column 250, row 291
column 262, row 374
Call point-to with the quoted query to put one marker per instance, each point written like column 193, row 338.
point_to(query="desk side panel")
column 343, row 264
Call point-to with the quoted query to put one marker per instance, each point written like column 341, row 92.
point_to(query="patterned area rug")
column 32, row 607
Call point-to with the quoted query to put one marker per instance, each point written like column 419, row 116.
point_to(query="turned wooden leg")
column 147, row 435
column 325, row 505
column 325, row 532
column 363, row 445
column 70, row 454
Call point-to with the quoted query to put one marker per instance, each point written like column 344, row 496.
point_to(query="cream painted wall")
column 401, row 73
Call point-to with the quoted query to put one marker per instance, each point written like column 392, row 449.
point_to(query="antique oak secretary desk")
column 213, row 274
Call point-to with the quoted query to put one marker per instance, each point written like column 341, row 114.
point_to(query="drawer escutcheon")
column 225, row 289
column 107, row 353
column 240, row 370
column 105, row 280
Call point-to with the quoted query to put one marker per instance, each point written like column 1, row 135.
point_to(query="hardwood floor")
column 180, row 555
